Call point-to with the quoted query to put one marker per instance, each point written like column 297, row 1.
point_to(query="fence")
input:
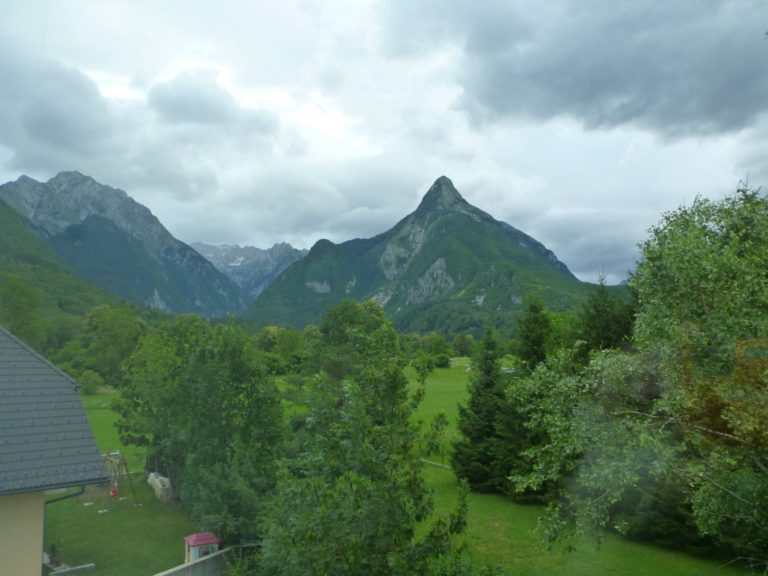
column 212, row 565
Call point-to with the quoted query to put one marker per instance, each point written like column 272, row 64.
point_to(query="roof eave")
column 89, row 482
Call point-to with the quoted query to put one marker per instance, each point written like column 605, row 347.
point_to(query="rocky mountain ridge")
column 112, row 240
column 251, row 268
column 448, row 266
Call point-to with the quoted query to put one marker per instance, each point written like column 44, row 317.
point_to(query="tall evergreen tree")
column 475, row 454
column 533, row 333
column 605, row 320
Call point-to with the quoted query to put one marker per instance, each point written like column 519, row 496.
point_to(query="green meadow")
column 137, row 540
column 134, row 537
column 503, row 533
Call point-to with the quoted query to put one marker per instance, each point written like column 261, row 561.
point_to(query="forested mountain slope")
column 448, row 266
column 113, row 241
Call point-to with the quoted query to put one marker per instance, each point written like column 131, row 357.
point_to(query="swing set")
column 117, row 468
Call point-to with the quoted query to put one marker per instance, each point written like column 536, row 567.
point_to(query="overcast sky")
column 251, row 122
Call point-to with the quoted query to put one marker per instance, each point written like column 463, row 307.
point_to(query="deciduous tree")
column 351, row 501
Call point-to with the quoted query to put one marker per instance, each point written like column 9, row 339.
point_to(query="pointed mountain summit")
column 448, row 266
column 108, row 238
column 443, row 196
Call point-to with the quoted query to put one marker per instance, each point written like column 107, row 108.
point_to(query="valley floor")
column 141, row 540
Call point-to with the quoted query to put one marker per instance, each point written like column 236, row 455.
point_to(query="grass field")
column 502, row 533
column 129, row 540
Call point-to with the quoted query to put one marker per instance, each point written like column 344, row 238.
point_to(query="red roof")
column 201, row 539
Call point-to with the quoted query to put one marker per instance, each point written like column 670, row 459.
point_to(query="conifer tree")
column 605, row 321
column 475, row 454
column 533, row 334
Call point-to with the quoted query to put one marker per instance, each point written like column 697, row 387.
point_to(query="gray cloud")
column 595, row 243
column 195, row 97
column 676, row 68
column 51, row 114
column 576, row 122
column 171, row 144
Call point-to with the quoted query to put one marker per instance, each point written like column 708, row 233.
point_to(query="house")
column 46, row 443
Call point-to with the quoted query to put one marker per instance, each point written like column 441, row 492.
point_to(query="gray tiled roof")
column 45, row 438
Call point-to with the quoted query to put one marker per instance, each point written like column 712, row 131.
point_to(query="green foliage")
column 351, row 501
column 539, row 419
column 672, row 435
column 703, row 292
column 199, row 398
column 423, row 365
column 283, row 348
column 62, row 298
column 605, row 320
column 703, row 283
column 241, row 562
column 476, row 455
column 353, row 337
column 464, row 344
column 533, row 334
column 90, row 381
column 20, row 309
column 110, row 335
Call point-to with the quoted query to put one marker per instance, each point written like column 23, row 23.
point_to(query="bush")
column 90, row 382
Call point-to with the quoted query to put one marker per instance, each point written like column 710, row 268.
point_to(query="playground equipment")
column 117, row 469
column 199, row 546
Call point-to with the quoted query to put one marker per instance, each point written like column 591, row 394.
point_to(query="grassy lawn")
column 142, row 540
column 126, row 540
column 502, row 533
column 103, row 419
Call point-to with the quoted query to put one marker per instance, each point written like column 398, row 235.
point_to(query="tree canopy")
column 674, row 427
column 353, row 499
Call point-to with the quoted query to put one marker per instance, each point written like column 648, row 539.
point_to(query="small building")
column 46, row 443
column 200, row 545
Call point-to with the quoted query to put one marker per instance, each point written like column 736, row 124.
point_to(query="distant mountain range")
column 251, row 268
column 108, row 238
column 448, row 266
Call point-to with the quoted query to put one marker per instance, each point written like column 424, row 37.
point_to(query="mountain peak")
column 70, row 176
column 442, row 195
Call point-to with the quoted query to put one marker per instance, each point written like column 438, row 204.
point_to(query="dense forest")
column 645, row 415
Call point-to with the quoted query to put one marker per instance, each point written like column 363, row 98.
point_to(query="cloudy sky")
column 245, row 121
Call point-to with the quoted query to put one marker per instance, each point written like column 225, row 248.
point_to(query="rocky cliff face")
column 117, row 243
column 251, row 268
column 447, row 266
